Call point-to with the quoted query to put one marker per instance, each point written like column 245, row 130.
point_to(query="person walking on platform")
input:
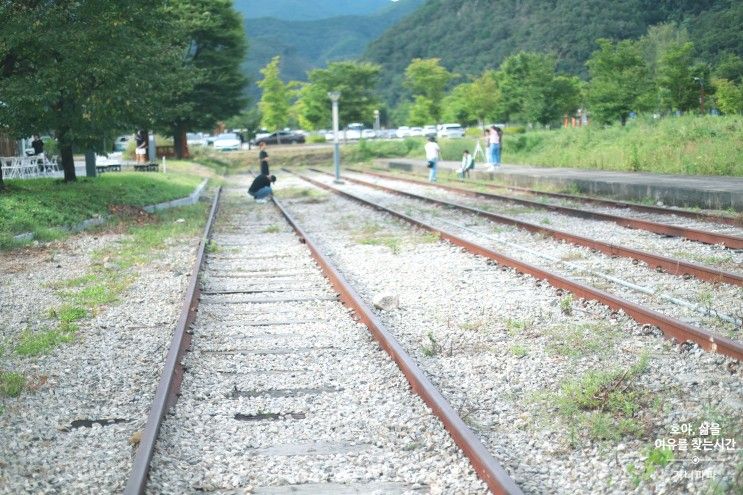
column 263, row 158
column 433, row 155
column 260, row 189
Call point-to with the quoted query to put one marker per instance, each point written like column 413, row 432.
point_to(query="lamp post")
column 701, row 93
column 334, row 97
column 376, row 120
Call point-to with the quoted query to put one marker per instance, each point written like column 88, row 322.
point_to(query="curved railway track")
column 236, row 359
column 671, row 327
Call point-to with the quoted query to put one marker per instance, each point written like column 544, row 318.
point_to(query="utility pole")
column 334, row 97
column 701, row 94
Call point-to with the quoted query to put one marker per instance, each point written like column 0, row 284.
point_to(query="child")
column 468, row 163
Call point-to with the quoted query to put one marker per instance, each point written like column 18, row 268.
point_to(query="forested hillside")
column 472, row 35
column 302, row 10
column 304, row 45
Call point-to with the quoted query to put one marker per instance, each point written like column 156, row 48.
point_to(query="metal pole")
column 90, row 170
column 334, row 97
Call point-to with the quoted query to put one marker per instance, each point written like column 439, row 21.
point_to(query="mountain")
column 302, row 10
column 473, row 35
column 304, row 45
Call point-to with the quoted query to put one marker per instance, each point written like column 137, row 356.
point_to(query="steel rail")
column 170, row 381
column 670, row 265
column 671, row 327
column 489, row 470
column 694, row 215
column 729, row 241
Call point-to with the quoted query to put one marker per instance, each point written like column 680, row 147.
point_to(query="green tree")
column 532, row 91
column 428, row 79
column 76, row 68
column 356, row 81
column 210, row 85
column 619, row 80
column 474, row 102
column 728, row 96
column 678, row 89
column 730, row 67
column 275, row 100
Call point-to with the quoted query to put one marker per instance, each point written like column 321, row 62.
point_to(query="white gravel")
column 109, row 371
column 500, row 347
column 322, row 408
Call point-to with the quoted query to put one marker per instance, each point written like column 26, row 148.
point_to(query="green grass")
column 11, row 384
column 272, row 229
column 655, row 458
column 42, row 342
column 576, row 340
column 46, row 206
column 518, row 350
column 603, row 405
column 373, row 234
column 688, row 145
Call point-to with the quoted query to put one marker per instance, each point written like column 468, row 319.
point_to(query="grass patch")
column 518, row 350
column 11, row 383
column 566, row 304
column 686, row 145
column 372, row 234
column 655, row 458
column 45, row 207
column 515, row 327
column 272, row 229
column 305, row 195
column 431, row 347
column 42, row 342
column 603, row 405
column 581, row 339
column 473, row 326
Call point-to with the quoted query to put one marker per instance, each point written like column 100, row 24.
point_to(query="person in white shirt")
column 494, row 145
column 433, row 155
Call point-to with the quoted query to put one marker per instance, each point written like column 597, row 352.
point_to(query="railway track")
column 280, row 390
column 729, row 240
column 670, row 265
column 511, row 350
column 670, row 326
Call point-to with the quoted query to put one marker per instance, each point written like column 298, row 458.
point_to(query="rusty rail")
column 729, row 241
column 170, row 381
column 694, row 215
column 670, row 265
column 670, row 327
column 489, row 470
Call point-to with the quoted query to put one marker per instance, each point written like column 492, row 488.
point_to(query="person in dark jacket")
column 263, row 157
column 260, row 189
column 38, row 145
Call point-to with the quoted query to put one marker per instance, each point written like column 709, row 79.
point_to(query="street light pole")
column 376, row 120
column 334, row 97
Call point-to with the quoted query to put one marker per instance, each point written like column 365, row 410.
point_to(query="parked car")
column 368, row 134
column 195, row 139
column 229, row 141
column 282, row 137
column 122, row 142
column 403, row 131
column 416, row 131
column 429, row 130
column 451, row 131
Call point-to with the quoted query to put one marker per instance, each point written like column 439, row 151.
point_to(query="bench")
column 150, row 167
column 108, row 168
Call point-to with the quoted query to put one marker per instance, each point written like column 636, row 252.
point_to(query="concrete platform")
column 716, row 193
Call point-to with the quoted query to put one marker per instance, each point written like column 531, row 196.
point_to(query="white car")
column 228, row 141
column 429, row 130
column 195, row 139
column 416, row 131
column 403, row 131
column 368, row 134
column 451, row 131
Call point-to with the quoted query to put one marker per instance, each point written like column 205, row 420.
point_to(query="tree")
column 356, row 81
column 533, row 92
column 728, row 96
column 730, row 67
column 275, row 103
column 678, row 89
column 76, row 68
column 474, row 102
column 428, row 79
column 210, row 84
column 619, row 80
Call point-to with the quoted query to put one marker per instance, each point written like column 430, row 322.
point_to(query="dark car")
column 282, row 137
